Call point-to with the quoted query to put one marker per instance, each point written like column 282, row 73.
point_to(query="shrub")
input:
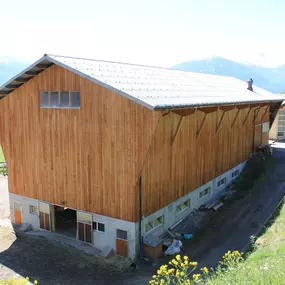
column 181, row 270
column 11, row 281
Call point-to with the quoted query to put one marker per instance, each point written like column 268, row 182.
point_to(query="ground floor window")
column 222, row 182
column 32, row 209
column 204, row 192
column 235, row 174
column 181, row 207
column 154, row 224
column 99, row 227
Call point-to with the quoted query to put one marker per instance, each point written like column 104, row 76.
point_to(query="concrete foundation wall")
column 169, row 212
column 100, row 239
column 32, row 219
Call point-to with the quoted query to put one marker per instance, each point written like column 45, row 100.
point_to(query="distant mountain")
column 271, row 79
column 10, row 67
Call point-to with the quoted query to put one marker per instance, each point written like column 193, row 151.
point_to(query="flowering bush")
column 17, row 282
column 180, row 270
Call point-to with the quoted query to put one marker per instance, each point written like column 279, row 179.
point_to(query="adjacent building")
column 107, row 152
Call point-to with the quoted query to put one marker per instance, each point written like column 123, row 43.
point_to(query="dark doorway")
column 65, row 221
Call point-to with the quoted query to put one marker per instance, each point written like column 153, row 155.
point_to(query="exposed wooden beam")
column 265, row 112
column 22, row 80
column 254, row 105
column 247, row 115
column 4, row 92
column 241, row 107
column 227, row 108
column 207, row 110
column 43, row 66
column 256, row 114
column 201, row 126
column 167, row 112
column 32, row 73
column 235, row 118
column 177, row 130
column 263, row 104
column 13, row 85
column 220, row 122
column 184, row 112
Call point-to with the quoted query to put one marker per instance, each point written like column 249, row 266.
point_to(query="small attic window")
column 64, row 99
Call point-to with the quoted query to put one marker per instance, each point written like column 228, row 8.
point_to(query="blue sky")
column 153, row 32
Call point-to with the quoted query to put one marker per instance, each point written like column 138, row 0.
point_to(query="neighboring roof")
column 153, row 87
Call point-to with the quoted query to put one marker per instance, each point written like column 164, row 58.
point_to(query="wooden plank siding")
column 174, row 169
column 89, row 157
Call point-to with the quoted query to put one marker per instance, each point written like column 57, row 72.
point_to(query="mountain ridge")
column 269, row 78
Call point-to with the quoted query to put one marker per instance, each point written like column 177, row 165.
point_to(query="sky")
column 152, row 32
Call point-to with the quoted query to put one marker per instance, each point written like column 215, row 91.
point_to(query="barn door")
column 18, row 213
column 44, row 215
column 84, row 227
column 122, row 243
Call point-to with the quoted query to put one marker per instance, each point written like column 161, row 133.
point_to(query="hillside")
column 271, row 79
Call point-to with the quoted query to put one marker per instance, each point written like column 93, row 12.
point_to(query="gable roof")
column 153, row 87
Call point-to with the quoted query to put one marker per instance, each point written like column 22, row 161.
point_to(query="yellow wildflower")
column 178, row 257
column 36, row 282
column 196, row 277
column 205, row 270
column 193, row 263
column 185, row 257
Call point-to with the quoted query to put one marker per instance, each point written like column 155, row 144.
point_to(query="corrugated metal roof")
column 153, row 87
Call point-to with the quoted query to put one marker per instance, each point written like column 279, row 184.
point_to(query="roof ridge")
column 109, row 61
column 135, row 64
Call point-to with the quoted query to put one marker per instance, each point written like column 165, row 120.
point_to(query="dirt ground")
column 54, row 263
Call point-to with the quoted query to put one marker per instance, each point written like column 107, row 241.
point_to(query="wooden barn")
column 107, row 153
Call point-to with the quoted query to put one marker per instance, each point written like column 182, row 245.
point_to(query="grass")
column 265, row 263
column 1, row 155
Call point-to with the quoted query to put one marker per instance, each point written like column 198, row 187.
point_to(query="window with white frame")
column 183, row 206
column 222, row 182
column 32, row 209
column 154, row 224
column 204, row 192
column 64, row 99
column 235, row 174
column 99, row 227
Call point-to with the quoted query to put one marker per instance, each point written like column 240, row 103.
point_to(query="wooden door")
column 122, row 243
column 84, row 227
column 44, row 216
column 18, row 213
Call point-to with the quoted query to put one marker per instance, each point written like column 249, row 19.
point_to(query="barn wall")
column 180, row 161
column 90, row 158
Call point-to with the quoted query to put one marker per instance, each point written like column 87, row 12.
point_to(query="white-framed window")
column 222, row 182
column 121, row 234
column 63, row 99
column 235, row 174
column 183, row 206
column 154, row 224
column 99, row 227
column 32, row 209
column 204, row 192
